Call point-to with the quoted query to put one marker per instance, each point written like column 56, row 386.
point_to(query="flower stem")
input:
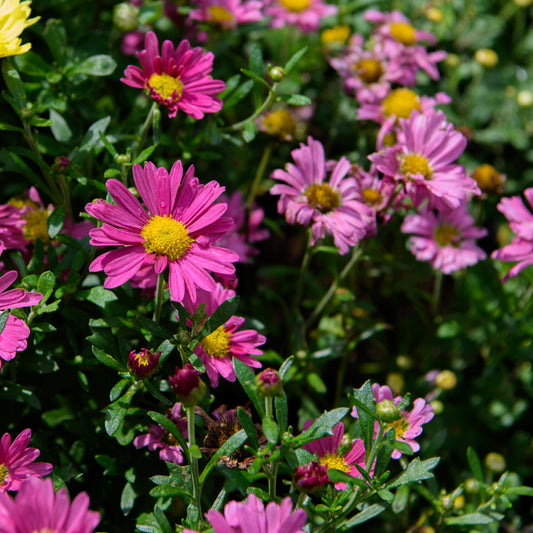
column 158, row 297
column 273, row 470
column 437, row 288
column 196, row 487
column 145, row 129
column 258, row 176
column 257, row 112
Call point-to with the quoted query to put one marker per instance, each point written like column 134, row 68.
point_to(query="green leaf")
column 55, row 37
column 475, row 464
column 153, row 327
column 46, row 284
column 127, row 498
column 55, row 221
column 246, row 378
column 259, row 79
column 117, row 389
column 162, row 520
column 238, row 94
column 249, row 131
column 282, row 411
column 321, row 427
column 522, row 490
column 144, row 155
column 231, row 85
column 370, row 512
column 271, row 430
column 416, row 470
column 3, row 319
column 150, row 12
column 97, row 65
column 469, row 519
column 298, row 99
column 172, row 429
column 147, row 523
column 232, row 444
column 100, row 296
column 108, row 360
column 18, row 393
column 40, row 122
column 90, row 139
column 400, row 499
column 116, row 411
column 223, row 313
column 59, row 127
column 14, row 85
column 284, row 368
column 248, row 426
column 294, row 59
column 364, row 402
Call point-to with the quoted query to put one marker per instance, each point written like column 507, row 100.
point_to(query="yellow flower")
column 13, row 20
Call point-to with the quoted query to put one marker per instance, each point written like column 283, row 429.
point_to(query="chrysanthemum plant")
column 219, row 236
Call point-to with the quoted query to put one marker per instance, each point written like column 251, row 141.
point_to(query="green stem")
column 145, row 129
column 375, row 448
column 258, row 176
column 273, row 470
column 334, row 285
column 158, row 297
column 437, row 288
column 196, row 487
column 269, row 99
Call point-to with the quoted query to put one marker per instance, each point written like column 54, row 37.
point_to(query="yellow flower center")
column 369, row 70
column 279, row 123
column 219, row 14
column 415, row 164
column 166, row 86
column 446, row 235
column 334, row 461
column 337, row 34
column 404, row 33
column 401, row 103
column 371, row 197
column 400, row 426
column 295, row 5
column 488, row 178
column 36, row 226
column 166, row 236
column 322, row 197
column 3, row 473
column 216, row 344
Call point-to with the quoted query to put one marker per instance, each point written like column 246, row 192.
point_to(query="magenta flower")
column 37, row 507
column 228, row 14
column 446, row 240
column 17, row 461
column 178, row 232
column 11, row 226
column 158, row 438
column 252, row 515
column 13, row 336
column 327, row 449
column 423, row 159
column 177, row 78
column 331, row 207
column 409, row 425
column 306, row 14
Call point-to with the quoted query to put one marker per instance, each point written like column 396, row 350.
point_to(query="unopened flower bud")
column 309, row 478
column 446, row 380
column 144, row 363
column 269, row 383
column 187, row 385
column 387, row 411
column 495, row 462
column 471, row 485
column 123, row 159
column 126, row 17
column 524, row 98
column 277, row 74
column 486, row 57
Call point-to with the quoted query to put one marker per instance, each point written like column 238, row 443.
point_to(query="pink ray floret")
column 17, row 461
column 330, row 207
column 227, row 13
column 179, row 78
column 446, row 240
column 521, row 223
column 424, row 160
column 306, row 14
column 38, row 508
column 177, row 234
column 13, row 338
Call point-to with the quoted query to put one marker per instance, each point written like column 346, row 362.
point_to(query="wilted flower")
column 37, row 507
column 17, row 461
column 13, row 21
column 143, row 363
column 158, row 438
column 187, row 385
column 310, row 477
column 177, row 78
column 178, row 232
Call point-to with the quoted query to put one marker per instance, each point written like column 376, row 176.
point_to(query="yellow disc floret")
column 216, row 344
column 372, row 197
column 279, row 124
column 369, row 70
column 219, row 14
column 295, row 5
column 403, row 32
column 335, row 461
column 411, row 164
column 166, row 86
column 3, row 473
column 400, row 426
column 166, row 236
column 401, row 103
column 322, row 197
column 36, row 226
column 447, row 235
column 337, row 34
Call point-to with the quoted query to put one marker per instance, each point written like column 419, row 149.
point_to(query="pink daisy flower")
column 252, row 515
column 178, row 232
column 327, row 449
column 330, row 207
column 11, row 226
column 423, row 160
column 409, row 425
column 445, row 240
column 16, row 461
column 247, row 228
column 228, row 14
column 521, row 223
column 13, row 336
column 306, row 14
column 177, row 78
column 37, row 507
column 158, row 438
